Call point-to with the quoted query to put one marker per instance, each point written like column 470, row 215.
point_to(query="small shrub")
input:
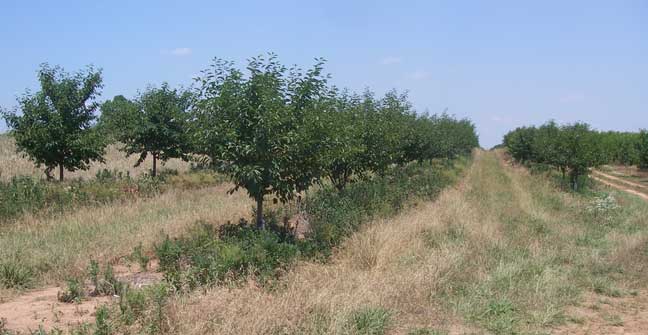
column 73, row 293
column 102, row 322
column 499, row 317
column 108, row 285
column 15, row 275
column 139, row 256
column 160, row 294
column 132, row 304
column 369, row 321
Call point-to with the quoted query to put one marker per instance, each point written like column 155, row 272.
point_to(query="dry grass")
column 60, row 246
column 14, row 164
column 503, row 252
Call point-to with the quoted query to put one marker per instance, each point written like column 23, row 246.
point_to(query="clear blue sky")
column 500, row 63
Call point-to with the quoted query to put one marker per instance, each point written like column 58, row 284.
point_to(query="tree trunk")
column 154, row 173
column 260, row 223
column 60, row 172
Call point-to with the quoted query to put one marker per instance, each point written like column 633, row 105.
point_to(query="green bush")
column 369, row 321
column 73, row 293
column 207, row 255
column 15, row 275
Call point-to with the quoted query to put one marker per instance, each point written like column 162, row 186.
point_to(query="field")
column 502, row 251
column 14, row 164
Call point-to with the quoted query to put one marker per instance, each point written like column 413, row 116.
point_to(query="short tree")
column 155, row 124
column 116, row 117
column 54, row 125
column 642, row 148
column 344, row 133
column 582, row 150
column 252, row 127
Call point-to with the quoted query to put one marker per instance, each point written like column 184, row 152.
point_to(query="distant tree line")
column 273, row 130
column 575, row 148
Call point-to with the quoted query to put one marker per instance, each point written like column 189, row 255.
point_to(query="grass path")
column 503, row 252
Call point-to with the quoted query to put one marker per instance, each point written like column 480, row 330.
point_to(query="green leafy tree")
column 642, row 148
column 54, row 125
column 582, row 149
column 344, row 130
column 520, row 144
column 117, row 117
column 259, row 129
column 155, row 124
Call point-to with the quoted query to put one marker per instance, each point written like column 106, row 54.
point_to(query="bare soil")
column 604, row 315
column 619, row 185
column 41, row 308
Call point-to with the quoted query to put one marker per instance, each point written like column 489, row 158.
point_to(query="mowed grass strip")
column 505, row 252
column 54, row 249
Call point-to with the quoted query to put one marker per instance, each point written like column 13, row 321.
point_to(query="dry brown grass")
column 14, row 164
column 503, row 253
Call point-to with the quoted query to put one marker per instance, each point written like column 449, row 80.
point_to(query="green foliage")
column 73, row 293
column 277, row 131
column 369, row 321
column 106, row 284
column 54, row 126
column 254, row 128
column 642, row 148
column 116, row 117
column 155, row 124
column 335, row 215
column 15, row 275
column 208, row 255
column 572, row 148
column 520, row 143
column 139, row 256
column 30, row 195
column 102, row 322
column 21, row 194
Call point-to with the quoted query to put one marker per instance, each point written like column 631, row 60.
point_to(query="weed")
column 15, row 275
column 102, row 321
column 369, row 321
column 139, row 256
column 73, row 293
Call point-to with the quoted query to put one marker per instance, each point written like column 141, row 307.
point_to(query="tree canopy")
column 155, row 123
column 54, row 125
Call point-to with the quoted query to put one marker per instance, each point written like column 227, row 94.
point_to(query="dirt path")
column 41, row 308
column 599, row 315
column 621, row 180
column 621, row 188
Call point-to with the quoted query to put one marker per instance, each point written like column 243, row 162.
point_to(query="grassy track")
column 504, row 252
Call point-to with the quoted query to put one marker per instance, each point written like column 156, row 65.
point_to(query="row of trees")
column 274, row 130
column 575, row 148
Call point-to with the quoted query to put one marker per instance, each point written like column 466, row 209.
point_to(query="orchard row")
column 575, row 148
column 273, row 130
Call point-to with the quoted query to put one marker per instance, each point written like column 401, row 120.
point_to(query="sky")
column 501, row 64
